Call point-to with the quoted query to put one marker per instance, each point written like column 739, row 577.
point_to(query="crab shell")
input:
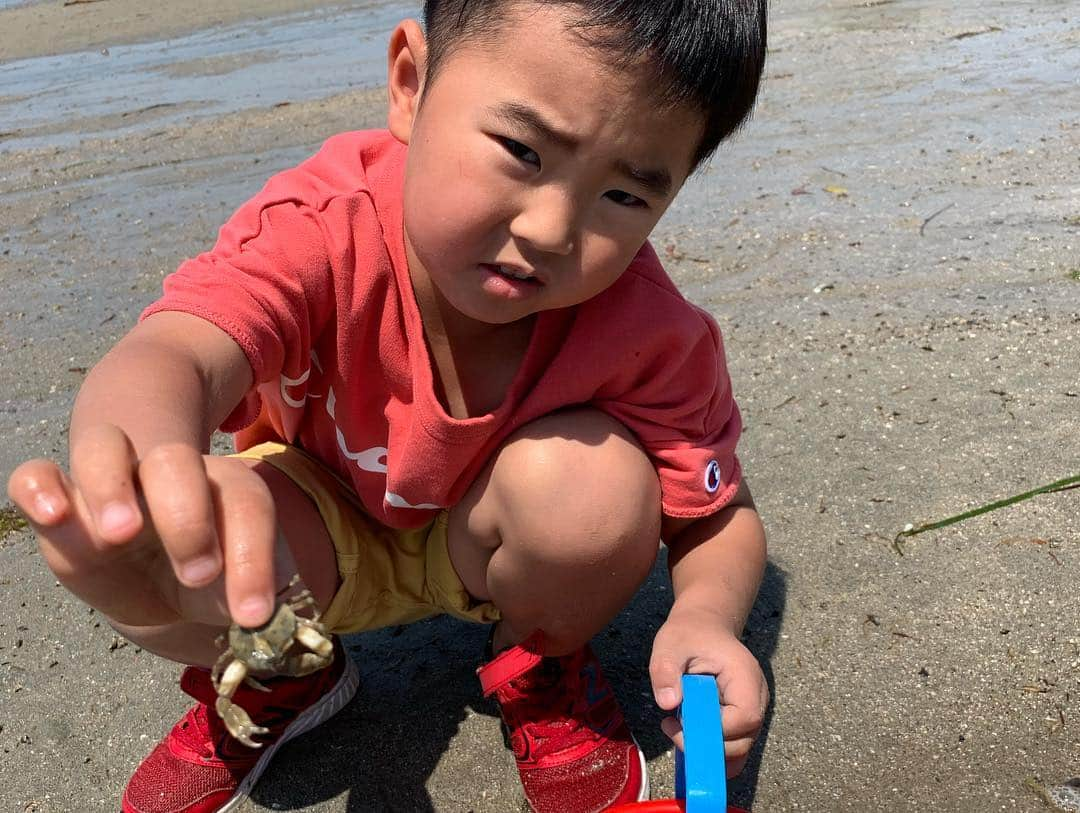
column 287, row 644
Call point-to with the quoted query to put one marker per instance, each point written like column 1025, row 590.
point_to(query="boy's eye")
column 520, row 151
column 624, row 198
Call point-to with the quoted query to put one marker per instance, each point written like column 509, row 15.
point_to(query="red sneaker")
column 200, row 768
column 574, row 751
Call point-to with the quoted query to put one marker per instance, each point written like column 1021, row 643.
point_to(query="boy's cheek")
column 606, row 259
column 451, row 218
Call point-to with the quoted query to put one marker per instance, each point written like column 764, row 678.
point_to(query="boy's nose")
column 548, row 220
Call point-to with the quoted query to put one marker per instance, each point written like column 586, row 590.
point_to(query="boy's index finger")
column 743, row 708
column 247, row 529
column 103, row 470
column 178, row 496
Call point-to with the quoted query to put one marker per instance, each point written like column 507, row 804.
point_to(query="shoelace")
column 203, row 732
column 542, row 691
column 196, row 731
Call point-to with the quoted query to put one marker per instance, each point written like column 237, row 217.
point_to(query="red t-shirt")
column 310, row 278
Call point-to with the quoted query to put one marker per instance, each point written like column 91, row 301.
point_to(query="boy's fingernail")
column 254, row 611
column 665, row 698
column 47, row 508
column 200, row 570
column 116, row 516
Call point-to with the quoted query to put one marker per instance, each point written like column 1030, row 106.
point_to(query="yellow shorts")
column 388, row 576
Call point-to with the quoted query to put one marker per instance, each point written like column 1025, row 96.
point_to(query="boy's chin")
column 499, row 318
column 504, row 320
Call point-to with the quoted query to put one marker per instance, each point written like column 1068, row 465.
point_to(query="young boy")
column 461, row 382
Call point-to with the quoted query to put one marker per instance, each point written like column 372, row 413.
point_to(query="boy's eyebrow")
column 657, row 181
column 521, row 114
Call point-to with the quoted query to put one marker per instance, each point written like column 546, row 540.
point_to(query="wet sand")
column 54, row 27
column 892, row 248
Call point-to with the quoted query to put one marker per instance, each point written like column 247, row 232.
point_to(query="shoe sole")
column 643, row 795
column 328, row 705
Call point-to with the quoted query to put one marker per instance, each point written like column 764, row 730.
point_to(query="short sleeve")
column 267, row 283
column 290, row 261
column 682, row 410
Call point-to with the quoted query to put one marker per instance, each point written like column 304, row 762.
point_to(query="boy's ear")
column 407, row 62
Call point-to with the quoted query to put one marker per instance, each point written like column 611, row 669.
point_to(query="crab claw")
column 239, row 723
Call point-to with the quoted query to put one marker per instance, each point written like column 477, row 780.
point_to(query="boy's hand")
column 147, row 541
column 697, row 641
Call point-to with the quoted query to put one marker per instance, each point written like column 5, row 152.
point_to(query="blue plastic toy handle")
column 700, row 775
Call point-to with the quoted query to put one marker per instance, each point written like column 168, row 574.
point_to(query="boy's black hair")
column 707, row 55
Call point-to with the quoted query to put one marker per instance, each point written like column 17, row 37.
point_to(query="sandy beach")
column 892, row 249
column 46, row 28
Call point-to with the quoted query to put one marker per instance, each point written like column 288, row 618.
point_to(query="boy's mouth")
column 511, row 272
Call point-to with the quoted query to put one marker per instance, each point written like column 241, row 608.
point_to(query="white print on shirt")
column 296, row 382
column 712, row 477
column 369, row 459
column 372, row 460
column 400, row 502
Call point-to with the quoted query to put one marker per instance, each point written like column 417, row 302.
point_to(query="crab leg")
column 237, row 720
column 314, row 640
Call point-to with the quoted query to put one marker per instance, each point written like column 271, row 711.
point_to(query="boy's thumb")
column 667, row 697
column 666, row 672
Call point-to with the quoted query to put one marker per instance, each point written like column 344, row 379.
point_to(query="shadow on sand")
column 418, row 686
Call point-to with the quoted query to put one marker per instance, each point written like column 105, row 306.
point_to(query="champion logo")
column 712, row 477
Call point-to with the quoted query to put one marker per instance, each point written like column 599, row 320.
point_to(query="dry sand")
column 892, row 250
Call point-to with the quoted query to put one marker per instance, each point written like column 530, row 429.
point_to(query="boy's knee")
column 577, row 475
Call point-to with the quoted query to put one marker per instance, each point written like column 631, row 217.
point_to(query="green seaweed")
column 1057, row 485
column 10, row 521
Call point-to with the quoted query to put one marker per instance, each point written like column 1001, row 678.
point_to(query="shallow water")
column 59, row 100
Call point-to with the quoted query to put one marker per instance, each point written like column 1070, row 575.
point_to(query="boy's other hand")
column 148, row 541
column 698, row 641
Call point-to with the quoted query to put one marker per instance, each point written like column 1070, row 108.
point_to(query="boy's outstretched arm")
column 172, row 379
column 717, row 563
column 141, row 504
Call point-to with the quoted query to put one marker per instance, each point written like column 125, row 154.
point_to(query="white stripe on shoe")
column 319, row 712
column 643, row 795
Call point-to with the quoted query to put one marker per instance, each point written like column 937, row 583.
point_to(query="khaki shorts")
column 388, row 576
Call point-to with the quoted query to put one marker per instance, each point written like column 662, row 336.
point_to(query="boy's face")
column 535, row 172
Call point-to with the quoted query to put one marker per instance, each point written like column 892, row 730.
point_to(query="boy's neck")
column 443, row 324
column 473, row 363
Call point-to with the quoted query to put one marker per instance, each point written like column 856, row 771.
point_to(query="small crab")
column 287, row 644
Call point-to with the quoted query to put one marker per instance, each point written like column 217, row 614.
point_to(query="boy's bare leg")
column 195, row 616
column 560, row 530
